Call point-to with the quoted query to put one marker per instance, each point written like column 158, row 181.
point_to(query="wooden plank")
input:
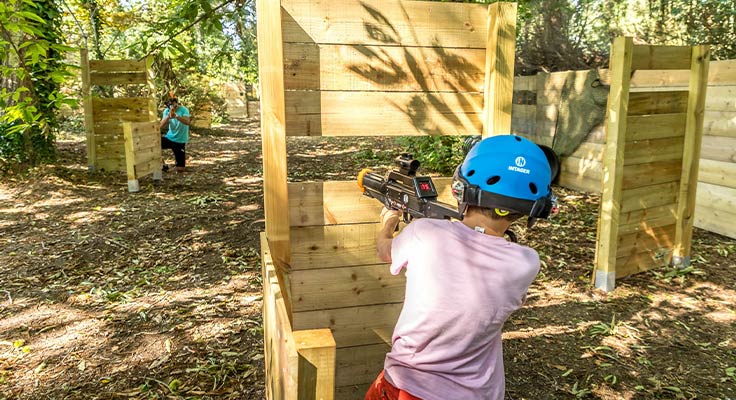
column 661, row 57
column 719, row 123
column 111, row 165
column 649, row 196
column 611, row 202
column 718, row 221
column 646, row 218
column 118, row 78
column 651, row 239
column 528, row 82
column 382, row 113
column 282, row 360
column 691, row 154
column 717, row 173
column 719, row 148
column 129, row 151
column 354, row 326
column 653, row 150
column 720, row 73
column 382, row 68
column 146, row 167
column 655, row 126
column 665, row 102
column 361, row 364
column 641, row 262
column 341, row 202
column 654, row 173
column 317, row 289
column 716, row 197
column 580, row 183
column 273, row 117
column 317, row 355
column 585, row 168
column 385, row 22
column 117, row 65
column 333, row 246
column 721, row 98
column 499, row 69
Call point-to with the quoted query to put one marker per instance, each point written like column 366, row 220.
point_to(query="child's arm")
column 389, row 220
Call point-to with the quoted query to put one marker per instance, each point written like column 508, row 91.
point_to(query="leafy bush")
column 440, row 154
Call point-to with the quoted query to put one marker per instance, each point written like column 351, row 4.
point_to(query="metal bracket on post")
column 680, row 262
column 605, row 281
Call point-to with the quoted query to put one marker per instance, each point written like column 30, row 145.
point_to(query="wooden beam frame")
column 499, row 82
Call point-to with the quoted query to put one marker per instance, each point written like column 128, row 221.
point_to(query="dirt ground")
column 107, row 294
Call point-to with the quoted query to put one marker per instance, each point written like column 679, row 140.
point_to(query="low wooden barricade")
column 104, row 116
column 299, row 364
column 142, row 152
column 650, row 171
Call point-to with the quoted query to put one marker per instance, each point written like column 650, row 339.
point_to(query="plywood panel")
column 354, row 326
column 382, row 68
column 117, row 65
column 590, row 169
column 316, row 289
column 385, row 22
column 118, row 78
column 382, row 113
column 721, row 98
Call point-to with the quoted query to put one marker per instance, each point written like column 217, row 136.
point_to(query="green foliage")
column 32, row 71
column 439, row 154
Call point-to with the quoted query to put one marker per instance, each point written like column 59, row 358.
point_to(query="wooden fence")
column 104, row 116
column 142, row 152
column 359, row 68
column 535, row 110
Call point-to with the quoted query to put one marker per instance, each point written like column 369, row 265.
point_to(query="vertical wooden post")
column 499, row 82
column 616, row 112
column 88, row 113
column 691, row 155
column 130, row 161
column 273, row 130
column 316, row 350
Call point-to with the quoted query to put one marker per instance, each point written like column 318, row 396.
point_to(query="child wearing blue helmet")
column 463, row 278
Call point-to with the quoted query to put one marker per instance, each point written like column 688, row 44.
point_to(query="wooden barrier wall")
column 142, row 152
column 534, row 114
column 299, row 364
column 364, row 68
column 650, row 162
column 104, row 116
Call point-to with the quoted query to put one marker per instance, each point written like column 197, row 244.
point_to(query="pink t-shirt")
column 461, row 286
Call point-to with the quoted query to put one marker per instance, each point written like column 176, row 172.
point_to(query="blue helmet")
column 507, row 172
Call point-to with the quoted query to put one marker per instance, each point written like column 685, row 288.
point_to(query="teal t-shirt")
column 178, row 131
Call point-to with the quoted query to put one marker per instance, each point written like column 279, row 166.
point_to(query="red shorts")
column 381, row 389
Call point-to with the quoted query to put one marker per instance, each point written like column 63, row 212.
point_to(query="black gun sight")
column 407, row 164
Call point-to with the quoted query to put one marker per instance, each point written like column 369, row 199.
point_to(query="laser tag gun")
column 402, row 190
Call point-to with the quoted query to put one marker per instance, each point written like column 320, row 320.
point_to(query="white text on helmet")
column 517, row 169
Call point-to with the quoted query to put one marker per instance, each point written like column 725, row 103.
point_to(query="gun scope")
column 407, row 164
